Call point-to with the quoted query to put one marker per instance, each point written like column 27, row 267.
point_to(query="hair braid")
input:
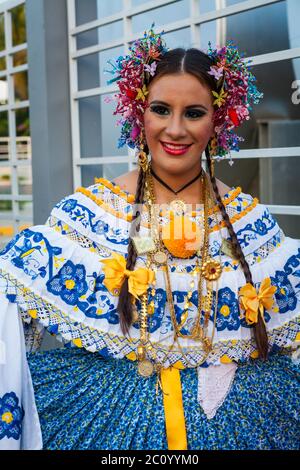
column 260, row 333
column 125, row 299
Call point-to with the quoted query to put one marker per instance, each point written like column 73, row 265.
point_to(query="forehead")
column 181, row 88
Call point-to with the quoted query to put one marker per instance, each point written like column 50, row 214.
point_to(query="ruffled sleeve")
column 55, row 274
column 19, row 422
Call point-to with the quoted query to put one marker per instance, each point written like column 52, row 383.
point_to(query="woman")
column 179, row 314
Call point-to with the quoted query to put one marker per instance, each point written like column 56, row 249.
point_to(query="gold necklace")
column 197, row 332
column 146, row 367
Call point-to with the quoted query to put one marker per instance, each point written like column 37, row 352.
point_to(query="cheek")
column 151, row 127
column 205, row 131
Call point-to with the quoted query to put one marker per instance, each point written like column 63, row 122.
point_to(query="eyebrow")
column 198, row 105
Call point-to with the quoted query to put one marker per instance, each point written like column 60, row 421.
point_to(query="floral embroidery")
column 31, row 252
column 84, row 216
column 260, row 389
column 11, row 416
column 227, row 310
column 260, row 227
column 69, row 283
column 285, row 295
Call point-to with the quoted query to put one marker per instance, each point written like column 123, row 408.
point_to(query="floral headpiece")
column 234, row 100
column 235, row 94
column 132, row 74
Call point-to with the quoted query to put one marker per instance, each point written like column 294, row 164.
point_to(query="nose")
column 175, row 129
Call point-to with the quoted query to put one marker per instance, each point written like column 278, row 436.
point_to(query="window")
column 15, row 143
column 267, row 31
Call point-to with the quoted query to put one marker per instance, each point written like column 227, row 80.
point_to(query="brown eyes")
column 164, row 111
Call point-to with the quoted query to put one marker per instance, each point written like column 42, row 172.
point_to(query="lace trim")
column 214, row 384
column 130, row 198
column 128, row 217
column 71, row 233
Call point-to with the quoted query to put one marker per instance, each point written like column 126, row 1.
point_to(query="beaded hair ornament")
column 234, row 95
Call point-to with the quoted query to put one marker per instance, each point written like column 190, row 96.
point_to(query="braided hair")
column 197, row 63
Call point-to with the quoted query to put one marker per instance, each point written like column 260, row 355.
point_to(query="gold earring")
column 212, row 148
column 143, row 157
column 212, row 166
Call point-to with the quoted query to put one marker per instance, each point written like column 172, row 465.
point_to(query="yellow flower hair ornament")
column 115, row 272
column 253, row 302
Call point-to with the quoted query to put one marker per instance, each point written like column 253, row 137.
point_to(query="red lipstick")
column 175, row 149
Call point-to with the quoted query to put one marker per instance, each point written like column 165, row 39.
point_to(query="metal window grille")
column 193, row 22
column 15, row 150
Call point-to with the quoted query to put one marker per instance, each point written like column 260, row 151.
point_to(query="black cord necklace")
column 168, row 187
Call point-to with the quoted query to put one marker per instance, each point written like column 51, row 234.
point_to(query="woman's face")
column 178, row 122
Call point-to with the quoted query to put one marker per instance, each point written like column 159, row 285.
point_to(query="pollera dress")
column 88, row 394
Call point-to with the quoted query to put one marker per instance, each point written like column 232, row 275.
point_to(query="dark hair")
column 197, row 63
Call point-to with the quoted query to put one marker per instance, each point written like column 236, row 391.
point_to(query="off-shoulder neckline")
column 227, row 198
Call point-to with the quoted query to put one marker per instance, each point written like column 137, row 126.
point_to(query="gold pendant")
column 207, row 344
column 143, row 244
column 197, row 333
column 178, row 206
column 160, row 257
column 211, row 270
column 145, row 368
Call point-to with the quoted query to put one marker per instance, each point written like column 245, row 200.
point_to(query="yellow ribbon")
column 115, row 272
column 253, row 302
column 174, row 412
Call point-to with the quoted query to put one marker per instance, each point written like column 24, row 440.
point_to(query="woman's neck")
column 193, row 194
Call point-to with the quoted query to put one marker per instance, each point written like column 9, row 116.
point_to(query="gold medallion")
column 160, row 257
column 207, row 344
column 197, row 333
column 145, row 368
column 211, row 270
column 178, row 206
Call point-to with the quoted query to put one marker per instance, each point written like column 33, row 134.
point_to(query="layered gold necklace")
column 208, row 269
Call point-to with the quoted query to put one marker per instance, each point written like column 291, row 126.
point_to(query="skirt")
column 87, row 402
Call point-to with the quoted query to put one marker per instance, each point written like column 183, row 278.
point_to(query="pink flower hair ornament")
column 233, row 97
column 233, row 101
column 132, row 74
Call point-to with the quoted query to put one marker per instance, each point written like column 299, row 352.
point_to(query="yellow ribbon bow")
column 253, row 302
column 115, row 272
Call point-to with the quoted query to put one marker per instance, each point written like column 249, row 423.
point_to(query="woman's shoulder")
column 128, row 182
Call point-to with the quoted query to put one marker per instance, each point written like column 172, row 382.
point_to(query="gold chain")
column 145, row 366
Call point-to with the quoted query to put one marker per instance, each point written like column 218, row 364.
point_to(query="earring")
column 142, row 156
column 212, row 151
column 212, row 166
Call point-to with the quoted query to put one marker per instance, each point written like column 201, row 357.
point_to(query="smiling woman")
column 177, row 298
column 176, row 127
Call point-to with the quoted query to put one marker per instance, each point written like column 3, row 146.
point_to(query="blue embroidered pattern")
column 85, row 402
column 227, row 310
column 11, row 416
column 85, row 217
column 25, row 252
column 258, row 228
column 69, row 283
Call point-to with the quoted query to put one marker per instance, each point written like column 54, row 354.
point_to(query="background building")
column 57, row 131
column 15, row 143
